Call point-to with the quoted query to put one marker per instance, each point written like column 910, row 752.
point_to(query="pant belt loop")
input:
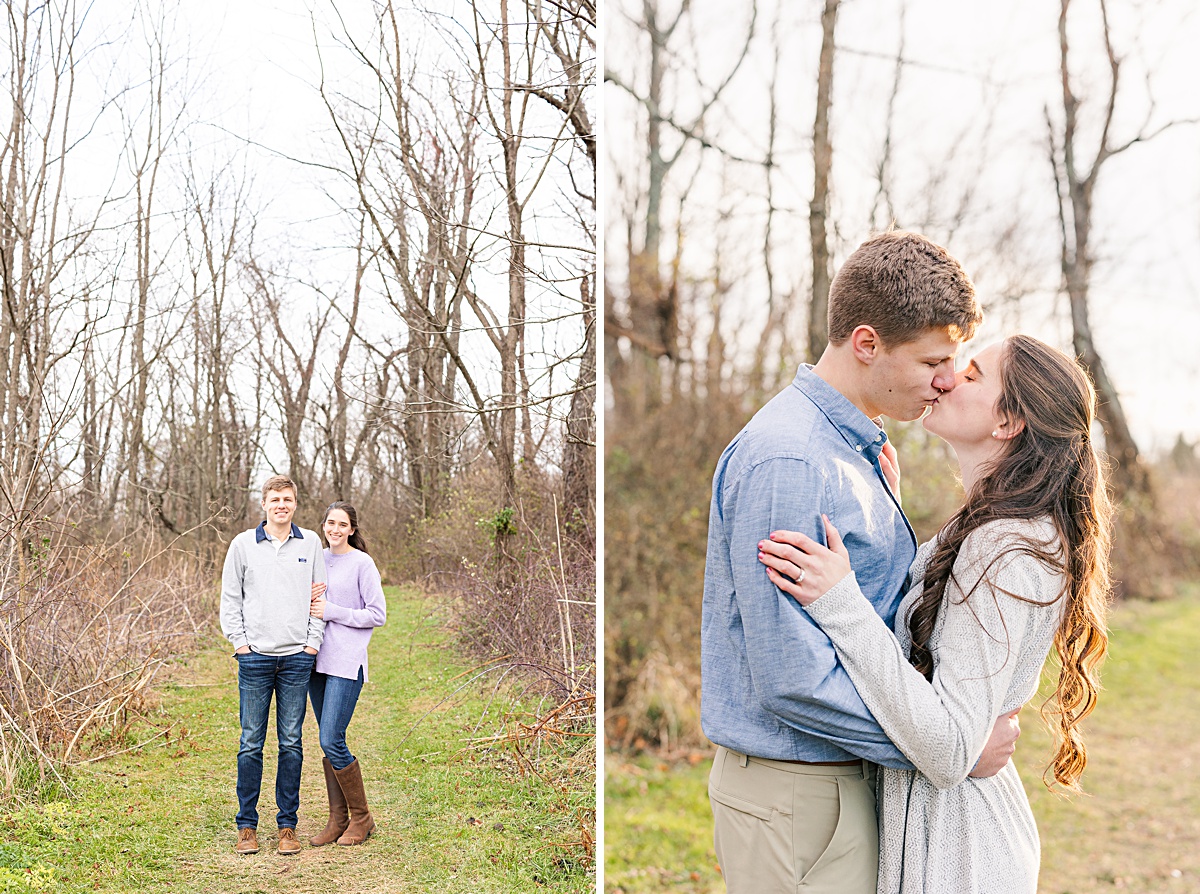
column 743, row 760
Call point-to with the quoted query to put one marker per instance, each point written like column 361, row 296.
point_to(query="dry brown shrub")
column 84, row 628
column 661, row 709
column 519, row 582
column 1156, row 539
column 558, row 747
column 519, row 587
column 658, row 474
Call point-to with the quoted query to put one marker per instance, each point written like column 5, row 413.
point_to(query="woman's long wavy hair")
column 356, row 538
column 1050, row 470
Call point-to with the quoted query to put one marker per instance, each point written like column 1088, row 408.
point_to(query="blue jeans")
column 333, row 701
column 258, row 677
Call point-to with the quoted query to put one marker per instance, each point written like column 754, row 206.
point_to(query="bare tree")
column 414, row 167
column 291, row 359
column 207, row 456
column 42, row 237
column 418, row 163
column 646, row 315
column 340, row 449
column 569, row 33
column 818, row 209
column 579, row 452
column 150, row 131
column 506, row 105
column 1075, row 181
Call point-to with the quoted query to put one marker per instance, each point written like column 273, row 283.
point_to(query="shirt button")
column 859, row 448
column 879, row 437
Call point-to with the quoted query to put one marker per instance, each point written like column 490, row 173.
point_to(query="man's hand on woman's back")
column 1001, row 745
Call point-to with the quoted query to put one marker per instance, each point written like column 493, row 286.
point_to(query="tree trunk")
column 579, row 453
column 818, row 209
column 1075, row 206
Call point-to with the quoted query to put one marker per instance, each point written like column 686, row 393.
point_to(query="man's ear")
column 865, row 343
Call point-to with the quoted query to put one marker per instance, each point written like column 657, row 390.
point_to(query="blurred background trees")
column 1047, row 147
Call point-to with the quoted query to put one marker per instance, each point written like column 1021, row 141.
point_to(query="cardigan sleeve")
column 943, row 725
column 370, row 590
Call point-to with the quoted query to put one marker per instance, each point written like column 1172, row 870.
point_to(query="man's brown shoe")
column 247, row 842
column 289, row 844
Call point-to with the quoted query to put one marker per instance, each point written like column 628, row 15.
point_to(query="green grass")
column 451, row 817
column 1139, row 823
column 657, row 827
column 1136, row 830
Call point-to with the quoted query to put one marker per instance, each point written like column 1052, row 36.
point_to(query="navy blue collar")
column 260, row 533
column 856, row 428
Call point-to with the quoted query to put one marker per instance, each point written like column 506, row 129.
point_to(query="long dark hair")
column 356, row 539
column 1049, row 470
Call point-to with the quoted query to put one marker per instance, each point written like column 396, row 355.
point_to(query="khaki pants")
column 782, row 827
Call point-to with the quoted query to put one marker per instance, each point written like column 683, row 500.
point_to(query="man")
column 792, row 785
column 265, row 594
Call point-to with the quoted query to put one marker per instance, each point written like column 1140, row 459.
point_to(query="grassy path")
column 1136, row 830
column 450, row 818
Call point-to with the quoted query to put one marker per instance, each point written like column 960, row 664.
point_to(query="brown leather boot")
column 361, row 824
column 289, row 844
column 247, row 842
column 339, row 816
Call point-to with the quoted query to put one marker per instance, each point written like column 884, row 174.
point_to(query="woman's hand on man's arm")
column 802, row 567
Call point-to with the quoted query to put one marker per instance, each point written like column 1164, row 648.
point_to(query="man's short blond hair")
column 902, row 285
column 280, row 482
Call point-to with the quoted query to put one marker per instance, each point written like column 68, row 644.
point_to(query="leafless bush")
column 661, row 709
column 445, row 543
column 541, row 610
column 521, row 591
column 1154, row 554
column 658, row 473
column 84, row 628
column 556, row 746
column 519, row 582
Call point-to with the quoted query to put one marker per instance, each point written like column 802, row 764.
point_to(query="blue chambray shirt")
column 772, row 684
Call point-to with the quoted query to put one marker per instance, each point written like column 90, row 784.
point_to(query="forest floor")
column 456, row 810
column 1135, row 829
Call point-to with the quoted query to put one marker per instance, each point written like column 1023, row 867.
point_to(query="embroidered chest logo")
column 302, row 559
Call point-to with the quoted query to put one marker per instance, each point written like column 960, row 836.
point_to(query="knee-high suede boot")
column 361, row 823
column 339, row 816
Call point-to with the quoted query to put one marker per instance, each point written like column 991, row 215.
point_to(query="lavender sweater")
column 354, row 605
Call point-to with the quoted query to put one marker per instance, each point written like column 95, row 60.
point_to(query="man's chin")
column 908, row 414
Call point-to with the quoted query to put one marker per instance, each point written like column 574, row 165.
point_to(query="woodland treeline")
column 746, row 162
column 422, row 345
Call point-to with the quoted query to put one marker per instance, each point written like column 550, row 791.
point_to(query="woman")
column 354, row 604
column 1023, row 564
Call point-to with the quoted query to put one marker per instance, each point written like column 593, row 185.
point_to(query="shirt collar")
column 260, row 533
column 863, row 434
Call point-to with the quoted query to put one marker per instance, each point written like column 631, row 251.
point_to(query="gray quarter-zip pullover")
column 266, row 590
